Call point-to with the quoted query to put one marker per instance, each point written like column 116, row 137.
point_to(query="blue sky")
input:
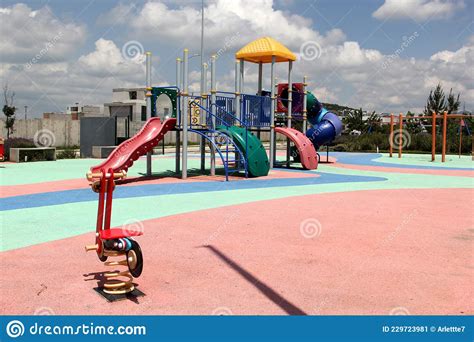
column 362, row 59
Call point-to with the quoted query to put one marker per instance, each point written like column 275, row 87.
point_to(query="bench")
column 20, row 154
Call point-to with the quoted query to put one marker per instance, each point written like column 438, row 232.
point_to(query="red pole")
column 433, row 137
column 400, row 134
column 108, row 204
column 391, row 135
column 100, row 211
column 445, row 126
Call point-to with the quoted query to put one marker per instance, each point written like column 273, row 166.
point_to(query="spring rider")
column 114, row 242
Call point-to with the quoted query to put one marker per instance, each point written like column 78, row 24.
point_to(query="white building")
column 78, row 110
column 127, row 102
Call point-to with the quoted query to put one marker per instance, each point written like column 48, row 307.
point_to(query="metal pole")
column 148, row 107
column 203, row 117
column 272, row 114
column 184, row 173
column 202, row 143
column 213, row 111
column 275, row 86
column 400, row 134
column 178, row 117
column 305, row 109
column 260, row 78
column 391, row 136
column 202, row 46
column 290, row 111
column 237, row 92
column 433, row 137
column 241, row 76
column 445, row 122
column 260, row 88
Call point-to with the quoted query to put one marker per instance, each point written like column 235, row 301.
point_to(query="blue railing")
column 256, row 110
column 222, row 118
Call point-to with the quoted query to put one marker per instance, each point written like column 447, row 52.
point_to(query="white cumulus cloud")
column 420, row 10
column 28, row 34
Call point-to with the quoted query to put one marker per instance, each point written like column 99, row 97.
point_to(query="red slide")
column 305, row 147
column 130, row 150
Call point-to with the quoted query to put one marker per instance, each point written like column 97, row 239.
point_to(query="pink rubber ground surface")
column 368, row 258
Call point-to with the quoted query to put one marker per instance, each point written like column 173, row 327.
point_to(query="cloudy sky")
column 380, row 55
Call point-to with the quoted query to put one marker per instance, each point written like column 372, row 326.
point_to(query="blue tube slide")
column 326, row 126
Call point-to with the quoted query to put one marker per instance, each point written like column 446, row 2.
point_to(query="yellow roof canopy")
column 262, row 50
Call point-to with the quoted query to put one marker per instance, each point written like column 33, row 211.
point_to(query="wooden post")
column 433, row 137
column 391, row 135
column 445, row 126
column 460, row 137
column 400, row 134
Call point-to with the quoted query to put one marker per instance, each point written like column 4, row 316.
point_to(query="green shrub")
column 68, row 153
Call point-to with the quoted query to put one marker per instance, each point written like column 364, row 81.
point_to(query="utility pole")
column 26, row 112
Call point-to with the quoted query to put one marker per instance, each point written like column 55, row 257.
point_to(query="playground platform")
column 363, row 234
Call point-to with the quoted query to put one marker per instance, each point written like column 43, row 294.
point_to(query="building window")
column 133, row 95
column 143, row 113
column 74, row 109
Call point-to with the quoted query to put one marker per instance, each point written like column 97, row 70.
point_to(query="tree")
column 413, row 125
column 9, row 109
column 453, row 103
column 354, row 120
column 436, row 101
column 373, row 122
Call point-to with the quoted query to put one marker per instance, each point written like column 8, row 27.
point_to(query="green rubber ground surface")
column 452, row 161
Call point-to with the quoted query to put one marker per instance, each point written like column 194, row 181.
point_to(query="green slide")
column 257, row 158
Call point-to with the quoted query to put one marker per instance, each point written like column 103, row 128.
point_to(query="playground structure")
column 445, row 116
column 226, row 122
